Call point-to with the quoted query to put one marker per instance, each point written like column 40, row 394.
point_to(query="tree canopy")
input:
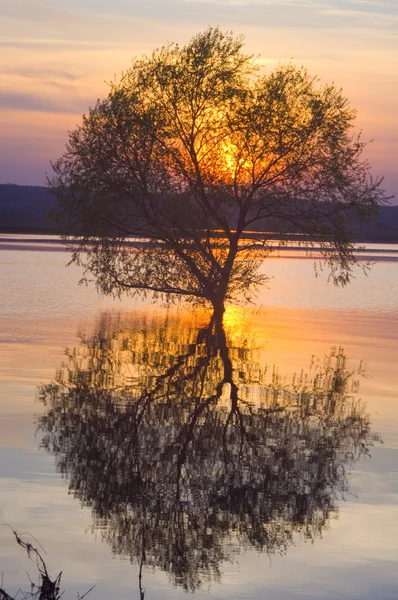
column 192, row 151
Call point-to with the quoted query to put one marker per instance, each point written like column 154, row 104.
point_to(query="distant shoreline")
column 11, row 231
column 34, row 242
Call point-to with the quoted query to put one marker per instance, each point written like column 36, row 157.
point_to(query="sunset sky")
column 56, row 56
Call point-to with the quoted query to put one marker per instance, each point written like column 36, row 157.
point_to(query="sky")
column 56, row 57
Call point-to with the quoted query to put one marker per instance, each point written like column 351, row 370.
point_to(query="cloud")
column 296, row 13
column 78, row 24
column 34, row 103
column 57, row 45
column 38, row 73
column 40, row 12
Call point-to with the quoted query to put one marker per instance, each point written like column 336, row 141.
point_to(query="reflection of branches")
column 157, row 430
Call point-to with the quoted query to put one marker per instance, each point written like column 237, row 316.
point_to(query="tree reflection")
column 188, row 449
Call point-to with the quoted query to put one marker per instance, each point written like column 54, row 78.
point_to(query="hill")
column 25, row 209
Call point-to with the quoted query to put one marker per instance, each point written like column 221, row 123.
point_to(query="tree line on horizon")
column 27, row 209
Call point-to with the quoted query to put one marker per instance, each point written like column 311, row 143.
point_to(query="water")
column 338, row 541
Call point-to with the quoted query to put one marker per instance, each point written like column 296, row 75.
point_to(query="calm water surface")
column 120, row 448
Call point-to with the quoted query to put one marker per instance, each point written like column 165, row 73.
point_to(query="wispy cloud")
column 40, row 12
column 34, row 103
column 332, row 13
column 38, row 73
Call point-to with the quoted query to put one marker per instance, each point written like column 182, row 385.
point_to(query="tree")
column 191, row 151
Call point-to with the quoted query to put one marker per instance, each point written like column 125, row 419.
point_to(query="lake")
column 124, row 453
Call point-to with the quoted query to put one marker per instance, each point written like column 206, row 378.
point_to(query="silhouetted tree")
column 186, row 449
column 191, row 151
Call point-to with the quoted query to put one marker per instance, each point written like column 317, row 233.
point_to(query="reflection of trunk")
column 218, row 314
column 234, row 413
column 222, row 347
column 142, row 563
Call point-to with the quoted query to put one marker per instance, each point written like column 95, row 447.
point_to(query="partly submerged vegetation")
column 47, row 587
